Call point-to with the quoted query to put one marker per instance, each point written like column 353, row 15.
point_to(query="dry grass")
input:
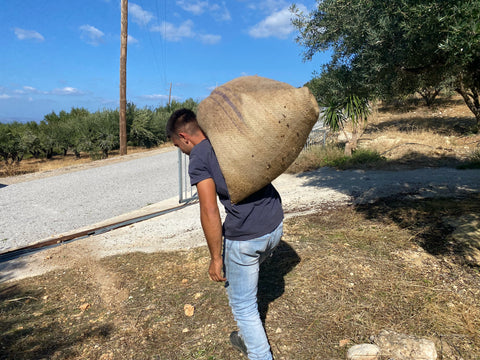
column 422, row 136
column 405, row 137
column 339, row 277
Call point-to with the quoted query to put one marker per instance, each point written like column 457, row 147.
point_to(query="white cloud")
column 29, row 90
column 23, row 34
column 131, row 40
column 196, row 7
column 218, row 10
column 210, row 39
column 171, row 32
column 277, row 25
column 139, row 16
column 268, row 6
column 4, row 96
column 67, row 90
column 154, row 97
column 91, row 35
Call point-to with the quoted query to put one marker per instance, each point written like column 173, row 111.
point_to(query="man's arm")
column 212, row 226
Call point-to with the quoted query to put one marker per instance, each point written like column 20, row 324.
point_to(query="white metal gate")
column 186, row 192
column 317, row 136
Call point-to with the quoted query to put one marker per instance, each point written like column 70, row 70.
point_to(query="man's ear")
column 184, row 136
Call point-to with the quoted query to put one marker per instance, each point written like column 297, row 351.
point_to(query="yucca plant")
column 337, row 112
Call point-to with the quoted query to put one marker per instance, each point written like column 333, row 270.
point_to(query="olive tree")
column 399, row 46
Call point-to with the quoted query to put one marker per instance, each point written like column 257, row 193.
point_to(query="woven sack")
column 257, row 127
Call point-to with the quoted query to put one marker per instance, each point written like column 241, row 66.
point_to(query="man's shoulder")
column 201, row 148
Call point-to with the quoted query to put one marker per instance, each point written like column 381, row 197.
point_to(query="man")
column 252, row 229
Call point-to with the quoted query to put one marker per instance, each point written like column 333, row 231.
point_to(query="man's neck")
column 197, row 138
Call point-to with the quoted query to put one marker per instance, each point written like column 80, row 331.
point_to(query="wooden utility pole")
column 123, row 79
column 170, row 95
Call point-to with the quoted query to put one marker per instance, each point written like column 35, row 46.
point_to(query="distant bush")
column 82, row 131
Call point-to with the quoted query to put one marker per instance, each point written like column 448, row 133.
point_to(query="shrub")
column 332, row 155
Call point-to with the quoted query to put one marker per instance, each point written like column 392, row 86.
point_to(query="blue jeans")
column 242, row 261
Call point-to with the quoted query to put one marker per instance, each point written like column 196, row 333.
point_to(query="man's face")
column 182, row 143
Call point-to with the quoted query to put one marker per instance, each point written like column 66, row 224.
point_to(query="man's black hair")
column 180, row 119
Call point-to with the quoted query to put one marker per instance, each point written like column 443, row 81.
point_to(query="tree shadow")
column 413, row 103
column 271, row 282
column 369, row 186
column 25, row 337
column 441, row 226
column 455, row 125
column 7, row 268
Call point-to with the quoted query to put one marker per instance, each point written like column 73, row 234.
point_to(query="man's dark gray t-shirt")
column 257, row 215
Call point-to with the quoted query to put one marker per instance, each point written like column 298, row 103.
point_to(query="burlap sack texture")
column 257, row 127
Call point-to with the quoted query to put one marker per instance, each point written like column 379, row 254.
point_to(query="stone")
column 363, row 352
column 405, row 347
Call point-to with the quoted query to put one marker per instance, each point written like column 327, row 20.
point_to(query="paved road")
column 37, row 209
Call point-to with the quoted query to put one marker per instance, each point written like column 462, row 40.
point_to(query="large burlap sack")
column 257, row 127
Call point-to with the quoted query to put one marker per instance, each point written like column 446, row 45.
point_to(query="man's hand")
column 215, row 270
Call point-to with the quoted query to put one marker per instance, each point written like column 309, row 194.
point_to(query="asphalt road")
column 35, row 210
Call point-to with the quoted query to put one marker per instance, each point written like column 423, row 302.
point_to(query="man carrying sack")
column 252, row 229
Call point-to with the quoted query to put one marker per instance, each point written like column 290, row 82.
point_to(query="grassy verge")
column 338, row 277
column 332, row 155
column 473, row 162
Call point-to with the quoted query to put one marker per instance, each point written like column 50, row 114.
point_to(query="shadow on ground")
column 368, row 186
column 456, row 126
column 7, row 268
column 271, row 282
column 442, row 226
column 19, row 340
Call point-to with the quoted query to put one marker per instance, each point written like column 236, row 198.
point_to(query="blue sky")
column 59, row 54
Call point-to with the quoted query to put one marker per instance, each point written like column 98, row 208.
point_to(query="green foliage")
column 81, row 131
column 398, row 47
column 141, row 131
column 12, row 146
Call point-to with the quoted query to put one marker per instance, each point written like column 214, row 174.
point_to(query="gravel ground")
column 41, row 208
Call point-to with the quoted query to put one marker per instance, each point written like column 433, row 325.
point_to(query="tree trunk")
column 348, row 149
column 472, row 100
column 429, row 95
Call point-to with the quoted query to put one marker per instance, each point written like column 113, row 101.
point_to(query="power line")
column 161, row 67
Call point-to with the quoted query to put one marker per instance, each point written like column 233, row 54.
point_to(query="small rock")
column 363, row 352
column 405, row 347
column 106, row 356
column 344, row 342
column 84, row 306
column 189, row 309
